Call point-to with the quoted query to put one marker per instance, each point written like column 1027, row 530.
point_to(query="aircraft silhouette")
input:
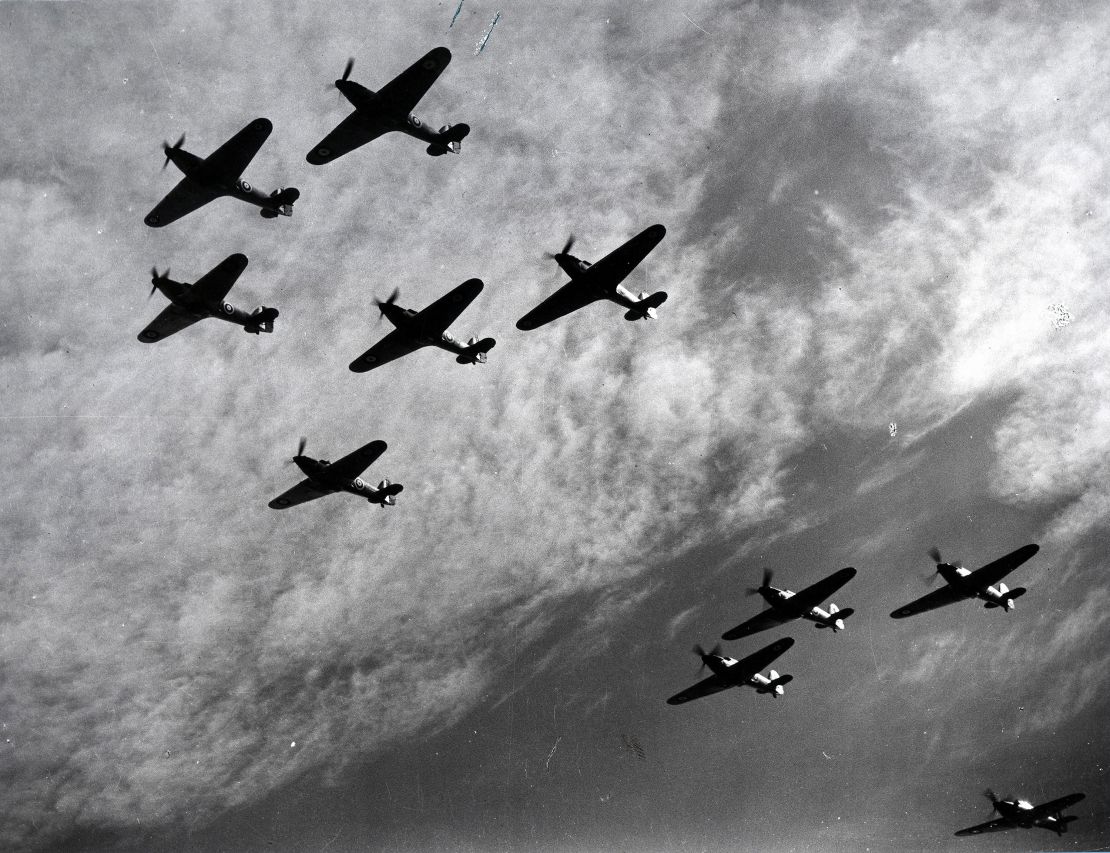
column 427, row 327
column 729, row 672
column 787, row 605
column 218, row 175
column 983, row 583
column 388, row 109
column 327, row 478
column 190, row 303
column 1021, row 814
column 591, row 282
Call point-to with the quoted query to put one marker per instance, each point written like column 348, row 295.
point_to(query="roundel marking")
column 151, row 335
column 429, row 64
column 282, row 501
column 245, row 186
column 360, row 483
column 228, row 309
column 415, row 121
column 324, row 151
column 369, row 359
column 154, row 219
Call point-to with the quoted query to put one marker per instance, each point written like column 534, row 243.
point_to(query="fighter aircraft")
column 1022, row 814
column 326, row 478
column 591, row 282
column 190, row 303
column 787, row 605
column 428, row 327
column 388, row 109
column 218, row 175
column 984, row 583
column 729, row 672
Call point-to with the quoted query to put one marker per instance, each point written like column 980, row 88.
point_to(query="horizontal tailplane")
column 475, row 351
column 645, row 308
column 262, row 320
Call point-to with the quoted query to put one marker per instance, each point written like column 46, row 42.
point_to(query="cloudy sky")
column 877, row 214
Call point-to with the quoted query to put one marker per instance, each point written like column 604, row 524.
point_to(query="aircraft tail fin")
column 386, row 494
column 283, row 201
column 1017, row 593
column 775, row 688
column 644, row 309
column 475, row 351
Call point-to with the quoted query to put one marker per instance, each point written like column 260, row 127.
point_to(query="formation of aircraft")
column 592, row 282
column 424, row 328
column 220, row 174
column 730, row 672
column 388, row 109
column 1021, row 814
column 190, row 303
column 962, row 584
column 787, row 606
column 327, row 478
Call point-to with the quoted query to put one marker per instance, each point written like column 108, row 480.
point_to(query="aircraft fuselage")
column 577, row 269
column 997, row 595
column 381, row 114
column 770, row 684
column 403, row 319
column 259, row 320
column 780, row 600
column 196, row 172
column 326, row 483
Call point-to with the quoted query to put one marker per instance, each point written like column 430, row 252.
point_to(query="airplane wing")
column 186, row 197
column 813, row 595
column 573, row 295
column 705, row 687
column 212, row 287
column 992, row 573
column 1054, row 807
column 996, row 825
column 446, row 310
column 353, row 464
column 301, row 493
column 405, row 90
column 937, row 598
column 227, row 162
column 351, row 133
column 394, row 345
column 615, row 267
column 770, row 618
column 172, row 319
column 743, row 669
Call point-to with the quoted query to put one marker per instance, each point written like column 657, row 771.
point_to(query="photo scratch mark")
column 691, row 20
column 551, row 754
column 456, row 15
column 1060, row 316
column 481, row 45
column 633, row 746
column 893, row 427
column 829, row 757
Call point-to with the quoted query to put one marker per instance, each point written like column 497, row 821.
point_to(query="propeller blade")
column 570, row 243
column 302, row 445
column 751, row 590
column 551, row 256
column 347, row 68
column 767, row 575
column 934, row 553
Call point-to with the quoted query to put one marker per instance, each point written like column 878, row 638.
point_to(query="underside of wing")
column 615, row 267
column 172, row 319
column 446, row 310
column 301, row 493
column 226, row 163
column 214, row 285
column 992, row 573
column 762, row 622
column 353, row 464
column 394, row 345
column 705, row 687
column 819, row 592
column 354, row 131
column 405, row 90
column 1054, row 807
column 567, row 299
column 996, row 825
column 756, row 661
column 937, row 598
column 186, row 197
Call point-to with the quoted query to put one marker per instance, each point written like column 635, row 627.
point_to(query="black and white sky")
column 877, row 213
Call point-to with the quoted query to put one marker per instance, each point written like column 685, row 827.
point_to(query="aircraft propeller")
column 934, row 555
column 392, row 298
column 346, row 72
column 301, row 445
column 565, row 250
column 167, row 148
column 155, row 277
column 701, row 653
column 768, row 574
